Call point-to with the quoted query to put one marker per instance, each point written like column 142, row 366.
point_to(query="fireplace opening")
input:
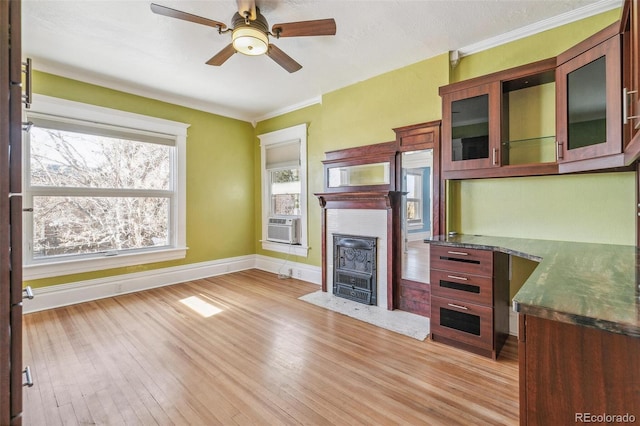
column 354, row 268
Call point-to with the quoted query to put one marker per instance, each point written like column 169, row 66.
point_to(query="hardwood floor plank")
column 265, row 357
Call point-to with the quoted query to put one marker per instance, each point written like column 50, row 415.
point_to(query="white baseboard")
column 84, row 291
column 418, row 236
column 299, row 271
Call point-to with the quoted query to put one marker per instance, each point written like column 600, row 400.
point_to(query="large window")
column 100, row 193
column 284, row 185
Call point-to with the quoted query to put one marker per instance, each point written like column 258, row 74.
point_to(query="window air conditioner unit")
column 283, row 230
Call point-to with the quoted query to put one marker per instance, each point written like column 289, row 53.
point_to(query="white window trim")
column 417, row 224
column 86, row 112
column 290, row 134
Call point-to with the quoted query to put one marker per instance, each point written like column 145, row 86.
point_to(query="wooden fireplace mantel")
column 379, row 200
column 378, row 194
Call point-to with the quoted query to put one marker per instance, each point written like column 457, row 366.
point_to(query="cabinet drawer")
column 471, row 261
column 465, row 322
column 462, row 286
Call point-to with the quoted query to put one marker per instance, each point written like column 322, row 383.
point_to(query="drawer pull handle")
column 455, row 277
column 453, row 305
column 459, row 253
column 28, row 292
column 28, row 380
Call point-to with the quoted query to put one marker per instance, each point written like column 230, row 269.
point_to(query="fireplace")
column 360, row 199
column 355, row 268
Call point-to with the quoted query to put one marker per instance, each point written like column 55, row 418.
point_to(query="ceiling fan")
column 250, row 32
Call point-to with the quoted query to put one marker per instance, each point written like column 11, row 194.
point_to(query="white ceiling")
column 123, row 45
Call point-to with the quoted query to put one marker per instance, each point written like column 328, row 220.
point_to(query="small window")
column 285, row 192
column 284, row 183
column 414, row 196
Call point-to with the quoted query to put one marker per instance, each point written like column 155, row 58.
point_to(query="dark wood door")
column 5, row 295
column 10, row 214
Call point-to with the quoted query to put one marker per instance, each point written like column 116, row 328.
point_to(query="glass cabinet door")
column 589, row 118
column 471, row 128
column 587, row 105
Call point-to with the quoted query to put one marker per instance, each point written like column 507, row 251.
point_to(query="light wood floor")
column 266, row 358
column 415, row 261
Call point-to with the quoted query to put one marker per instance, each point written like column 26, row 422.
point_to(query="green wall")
column 223, row 167
column 366, row 112
column 361, row 114
column 220, row 186
column 586, row 208
column 595, row 208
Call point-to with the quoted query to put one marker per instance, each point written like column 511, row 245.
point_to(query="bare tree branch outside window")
column 94, row 193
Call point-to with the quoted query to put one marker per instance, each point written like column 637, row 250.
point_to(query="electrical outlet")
column 298, row 274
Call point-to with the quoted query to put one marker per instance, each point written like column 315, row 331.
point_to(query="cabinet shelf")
column 529, row 151
column 546, row 139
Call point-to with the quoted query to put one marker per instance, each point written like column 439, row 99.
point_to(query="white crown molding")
column 83, row 76
column 538, row 27
column 76, row 74
column 290, row 108
column 529, row 30
column 63, row 71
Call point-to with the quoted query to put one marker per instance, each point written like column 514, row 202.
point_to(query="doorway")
column 417, row 225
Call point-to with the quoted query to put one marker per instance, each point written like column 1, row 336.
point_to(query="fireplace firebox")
column 354, row 268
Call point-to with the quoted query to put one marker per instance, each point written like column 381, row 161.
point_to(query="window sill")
column 76, row 266
column 296, row 250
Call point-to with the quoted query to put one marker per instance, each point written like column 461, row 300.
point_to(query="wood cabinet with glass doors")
column 589, row 103
column 577, row 112
column 500, row 124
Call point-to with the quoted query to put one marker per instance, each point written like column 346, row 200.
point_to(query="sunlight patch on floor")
column 200, row 306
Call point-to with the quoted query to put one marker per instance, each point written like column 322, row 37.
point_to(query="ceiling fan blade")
column 282, row 59
column 222, row 56
column 319, row 27
column 172, row 13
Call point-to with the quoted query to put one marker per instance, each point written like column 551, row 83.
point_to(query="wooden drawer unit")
column 462, row 286
column 471, row 261
column 470, row 298
column 463, row 322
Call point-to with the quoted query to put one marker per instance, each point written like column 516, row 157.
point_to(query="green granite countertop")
column 594, row 285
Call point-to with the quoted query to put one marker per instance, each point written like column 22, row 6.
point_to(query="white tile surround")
column 362, row 222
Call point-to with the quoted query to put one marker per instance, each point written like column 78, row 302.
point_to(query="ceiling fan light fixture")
column 250, row 41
